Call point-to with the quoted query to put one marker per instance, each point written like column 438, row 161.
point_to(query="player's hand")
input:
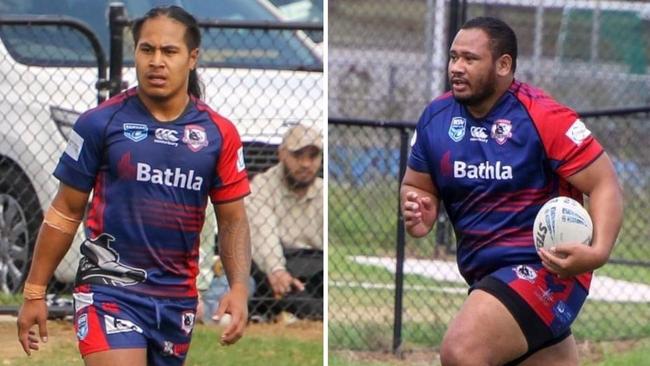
column 569, row 260
column 200, row 309
column 419, row 214
column 33, row 312
column 235, row 303
column 282, row 283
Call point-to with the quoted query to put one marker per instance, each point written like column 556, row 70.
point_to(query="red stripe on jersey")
column 174, row 206
column 553, row 121
column 193, row 264
column 229, row 169
column 118, row 98
column 96, row 340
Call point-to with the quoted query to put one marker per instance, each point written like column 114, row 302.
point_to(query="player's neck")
column 165, row 110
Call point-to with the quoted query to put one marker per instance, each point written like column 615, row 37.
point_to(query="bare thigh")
column 124, row 356
column 564, row 353
column 482, row 333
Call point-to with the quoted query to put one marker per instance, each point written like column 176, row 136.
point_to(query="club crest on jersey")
column 135, row 132
column 457, row 128
column 526, row 273
column 195, row 137
column 187, row 322
column 501, row 131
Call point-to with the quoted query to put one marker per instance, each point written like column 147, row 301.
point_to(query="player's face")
column 472, row 70
column 301, row 166
column 162, row 59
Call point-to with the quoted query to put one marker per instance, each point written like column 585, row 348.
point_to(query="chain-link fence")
column 263, row 75
column 386, row 62
column 387, row 58
column 364, row 293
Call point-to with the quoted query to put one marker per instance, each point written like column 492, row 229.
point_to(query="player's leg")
column 539, row 309
column 564, row 353
column 484, row 332
column 125, row 356
column 170, row 340
column 110, row 326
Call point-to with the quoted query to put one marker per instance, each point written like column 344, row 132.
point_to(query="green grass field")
column 299, row 344
column 601, row 354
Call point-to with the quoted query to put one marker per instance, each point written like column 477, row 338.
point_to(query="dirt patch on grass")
column 301, row 330
column 415, row 358
column 59, row 333
column 62, row 332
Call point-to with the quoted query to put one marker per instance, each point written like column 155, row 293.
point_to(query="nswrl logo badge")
column 457, row 128
column 82, row 326
column 136, row 132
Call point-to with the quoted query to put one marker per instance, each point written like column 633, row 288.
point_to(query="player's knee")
column 459, row 351
column 455, row 352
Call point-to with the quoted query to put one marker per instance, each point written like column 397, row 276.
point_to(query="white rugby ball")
column 562, row 220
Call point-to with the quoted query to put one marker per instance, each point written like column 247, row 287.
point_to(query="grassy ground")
column 276, row 344
column 361, row 318
column 625, row 353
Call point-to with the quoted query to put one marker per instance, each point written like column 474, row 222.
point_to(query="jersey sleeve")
column 418, row 157
column 231, row 179
column 82, row 157
column 567, row 141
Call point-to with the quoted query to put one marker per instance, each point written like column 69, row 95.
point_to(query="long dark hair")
column 192, row 37
column 502, row 38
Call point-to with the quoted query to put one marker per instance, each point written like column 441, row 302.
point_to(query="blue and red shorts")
column 109, row 318
column 543, row 305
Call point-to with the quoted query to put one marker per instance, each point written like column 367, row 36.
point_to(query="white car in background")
column 261, row 80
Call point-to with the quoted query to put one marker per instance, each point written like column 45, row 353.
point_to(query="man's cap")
column 300, row 136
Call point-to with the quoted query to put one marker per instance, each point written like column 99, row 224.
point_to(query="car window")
column 240, row 48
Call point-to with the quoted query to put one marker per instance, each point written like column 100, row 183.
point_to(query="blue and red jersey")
column 150, row 182
column 495, row 173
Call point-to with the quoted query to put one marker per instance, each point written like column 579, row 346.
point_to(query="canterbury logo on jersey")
column 166, row 136
column 483, row 170
column 168, row 177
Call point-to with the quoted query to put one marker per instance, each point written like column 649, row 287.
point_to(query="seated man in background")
column 286, row 219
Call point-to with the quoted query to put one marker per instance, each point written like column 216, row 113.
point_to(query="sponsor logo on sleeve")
column 501, row 131
column 195, row 137
column 75, row 144
column 457, row 128
column 241, row 164
column 135, row 132
column 578, row 132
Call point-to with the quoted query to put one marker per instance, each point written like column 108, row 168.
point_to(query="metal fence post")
column 401, row 243
column 117, row 21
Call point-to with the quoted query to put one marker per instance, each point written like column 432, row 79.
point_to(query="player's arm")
column 600, row 183
column 419, row 202
column 54, row 238
column 235, row 253
column 234, row 242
